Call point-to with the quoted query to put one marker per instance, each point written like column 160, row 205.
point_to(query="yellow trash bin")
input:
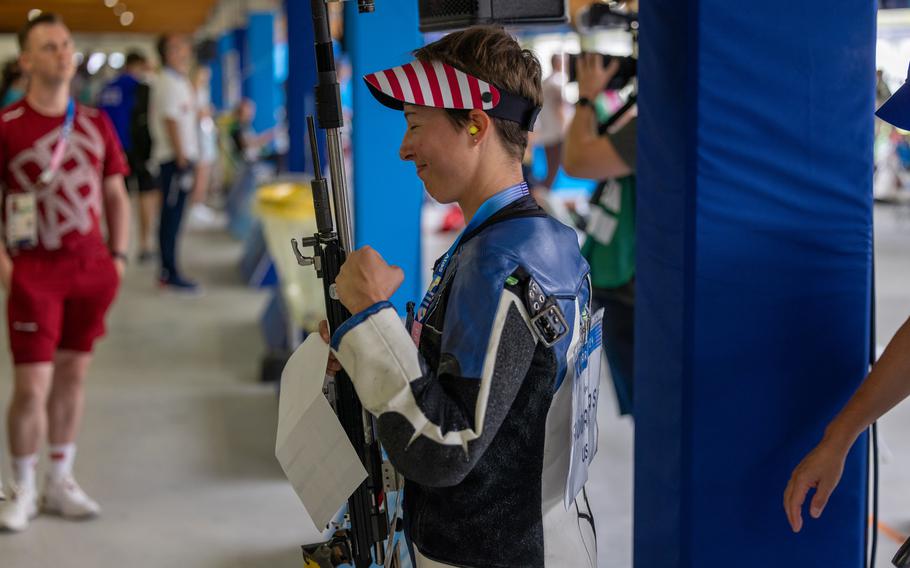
column 286, row 211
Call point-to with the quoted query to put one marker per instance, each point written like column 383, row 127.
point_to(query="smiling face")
column 445, row 155
column 47, row 56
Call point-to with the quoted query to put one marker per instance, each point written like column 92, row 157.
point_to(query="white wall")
column 892, row 50
column 8, row 47
column 106, row 43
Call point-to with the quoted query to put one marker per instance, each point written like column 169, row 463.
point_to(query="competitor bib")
column 21, row 220
column 585, row 395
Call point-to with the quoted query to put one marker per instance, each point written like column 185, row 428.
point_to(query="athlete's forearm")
column 886, row 386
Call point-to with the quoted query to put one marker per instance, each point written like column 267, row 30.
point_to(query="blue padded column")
column 754, row 256
column 387, row 192
column 216, row 80
column 259, row 71
column 240, row 39
column 301, row 86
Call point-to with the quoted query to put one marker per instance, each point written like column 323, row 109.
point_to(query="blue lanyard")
column 489, row 208
column 70, row 118
column 57, row 155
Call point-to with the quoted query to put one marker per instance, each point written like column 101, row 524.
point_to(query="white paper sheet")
column 314, row 452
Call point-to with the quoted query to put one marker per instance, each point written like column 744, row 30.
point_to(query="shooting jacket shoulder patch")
column 547, row 319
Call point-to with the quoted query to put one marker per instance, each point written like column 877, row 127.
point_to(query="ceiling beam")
column 151, row 16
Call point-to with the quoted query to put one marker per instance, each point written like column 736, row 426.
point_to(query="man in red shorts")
column 61, row 169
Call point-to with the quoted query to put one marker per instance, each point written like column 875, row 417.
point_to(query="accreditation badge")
column 21, row 221
column 585, row 394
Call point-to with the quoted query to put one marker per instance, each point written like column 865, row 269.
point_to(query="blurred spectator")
column 126, row 101
column 882, row 92
column 82, row 87
column 173, row 121
column 200, row 213
column 551, row 124
column 12, row 83
column 610, row 244
column 61, row 274
column 247, row 145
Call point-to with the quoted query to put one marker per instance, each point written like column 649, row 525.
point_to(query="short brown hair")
column 161, row 47
column 41, row 19
column 491, row 55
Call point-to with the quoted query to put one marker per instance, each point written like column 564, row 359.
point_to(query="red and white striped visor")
column 436, row 84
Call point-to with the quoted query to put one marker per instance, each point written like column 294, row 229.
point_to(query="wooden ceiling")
column 93, row 16
column 150, row 16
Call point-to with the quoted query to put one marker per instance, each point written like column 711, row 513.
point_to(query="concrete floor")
column 178, row 440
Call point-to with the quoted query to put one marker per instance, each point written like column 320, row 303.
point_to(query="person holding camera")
column 610, row 244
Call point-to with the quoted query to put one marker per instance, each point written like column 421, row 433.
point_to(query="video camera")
column 601, row 16
column 628, row 69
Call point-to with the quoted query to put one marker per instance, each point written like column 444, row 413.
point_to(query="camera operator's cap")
column 896, row 110
column 438, row 85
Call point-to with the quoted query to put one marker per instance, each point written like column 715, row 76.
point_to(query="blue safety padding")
column 563, row 181
column 216, row 79
column 240, row 40
column 239, row 204
column 273, row 323
column 259, row 71
column 388, row 195
column 664, row 210
column 256, row 266
column 265, row 275
column 301, row 87
column 753, row 277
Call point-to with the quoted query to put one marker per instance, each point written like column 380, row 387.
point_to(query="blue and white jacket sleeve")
column 436, row 423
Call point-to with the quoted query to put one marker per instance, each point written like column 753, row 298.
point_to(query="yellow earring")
column 473, row 130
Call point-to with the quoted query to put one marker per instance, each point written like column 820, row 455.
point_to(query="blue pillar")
column 259, row 71
column 216, row 80
column 240, row 47
column 387, row 193
column 301, row 86
column 754, row 254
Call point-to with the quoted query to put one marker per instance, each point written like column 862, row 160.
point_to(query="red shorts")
column 58, row 303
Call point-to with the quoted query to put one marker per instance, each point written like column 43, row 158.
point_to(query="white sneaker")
column 16, row 513
column 67, row 499
column 203, row 217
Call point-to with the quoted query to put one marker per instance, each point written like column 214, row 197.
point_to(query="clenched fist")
column 365, row 279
